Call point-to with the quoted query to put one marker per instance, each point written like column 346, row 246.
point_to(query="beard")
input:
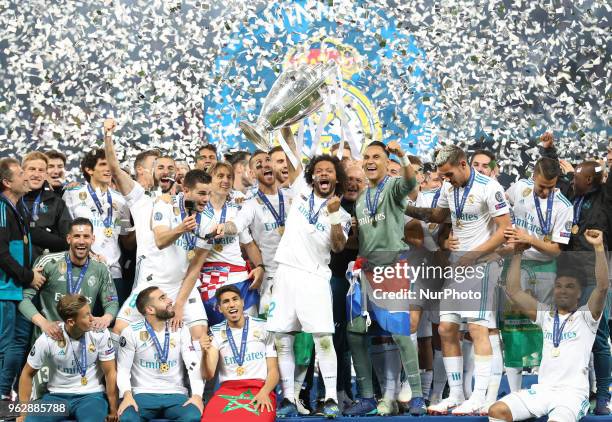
column 164, row 314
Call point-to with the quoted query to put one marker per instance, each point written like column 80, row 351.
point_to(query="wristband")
column 334, row 218
column 404, row 161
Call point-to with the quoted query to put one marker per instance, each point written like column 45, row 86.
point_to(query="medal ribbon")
column 459, row 205
column 190, row 238
column 35, row 206
column 434, row 202
column 279, row 216
column 578, row 209
column 312, row 219
column 72, row 289
column 373, row 207
column 163, row 354
column 108, row 221
column 221, row 218
column 245, row 332
column 558, row 331
column 82, row 365
column 546, row 226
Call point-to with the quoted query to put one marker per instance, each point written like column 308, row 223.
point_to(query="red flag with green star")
column 233, row 402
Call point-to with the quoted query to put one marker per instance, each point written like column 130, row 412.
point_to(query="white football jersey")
column 80, row 204
column 260, row 345
column 264, row 229
column 571, row 368
column 485, row 201
column 229, row 246
column 520, row 196
column 170, row 264
column 141, row 208
column 64, row 374
column 304, row 245
column 138, row 362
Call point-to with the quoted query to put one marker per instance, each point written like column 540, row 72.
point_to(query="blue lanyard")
column 373, row 207
column 545, row 225
column 35, row 206
column 82, row 365
column 189, row 237
column 72, row 289
column 279, row 216
column 221, row 218
column 312, row 219
column 466, row 191
column 108, row 221
column 558, row 331
column 245, row 333
column 163, row 354
column 20, row 221
column 434, row 202
column 578, row 209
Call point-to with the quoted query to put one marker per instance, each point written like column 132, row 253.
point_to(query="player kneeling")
column 562, row 391
column 248, row 368
column 78, row 362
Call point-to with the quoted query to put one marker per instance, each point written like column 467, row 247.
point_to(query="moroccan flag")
column 232, row 403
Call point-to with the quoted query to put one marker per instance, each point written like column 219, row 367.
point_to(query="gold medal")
column 240, row 371
column 92, row 348
column 458, row 224
column 575, row 229
column 218, row 247
column 108, row 232
column 83, row 380
column 164, row 367
column 555, row 352
column 25, row 239
column 190, row 255
column 281, row 230
column 177, row 212
column 548, row 238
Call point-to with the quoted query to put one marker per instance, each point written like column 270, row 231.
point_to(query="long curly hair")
column 340, row 173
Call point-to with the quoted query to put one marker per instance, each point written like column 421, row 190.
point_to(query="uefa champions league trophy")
column 296, row 94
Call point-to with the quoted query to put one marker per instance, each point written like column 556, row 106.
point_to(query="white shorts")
column 560, row 404
column 265, row 293
column 193, row 312
column 301, row 301
column 472, row 299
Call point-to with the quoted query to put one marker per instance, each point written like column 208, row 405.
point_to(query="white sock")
column 286, row 364
column 454, row 375
column 328, row 363
column 495, row 420
column 515, row 378
column 387, row 364
column 482, row 374
column 439, row 375
column 426, row 377
column 415, row 339
column 467, row 350
column 497, row 368
column 300, row 376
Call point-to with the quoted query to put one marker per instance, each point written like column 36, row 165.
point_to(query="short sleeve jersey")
column 81, row 204
column 64, row 373
column 486, row 200
column 521, row 197
column 304, row 245
column 260, row 345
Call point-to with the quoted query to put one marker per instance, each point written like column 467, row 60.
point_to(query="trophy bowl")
column 295, row 95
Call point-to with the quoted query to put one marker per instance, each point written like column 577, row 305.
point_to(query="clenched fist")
column 109, row 125
column 333, row 204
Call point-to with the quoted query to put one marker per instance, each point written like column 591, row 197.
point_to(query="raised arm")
column 394, row 147
column 294, row 172
column 125, row 184
column 520, row 298
column 597, row 300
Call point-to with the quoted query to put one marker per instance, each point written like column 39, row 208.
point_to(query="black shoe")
column 319, row 409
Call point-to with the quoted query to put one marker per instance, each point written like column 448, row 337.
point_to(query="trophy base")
column 256, row 135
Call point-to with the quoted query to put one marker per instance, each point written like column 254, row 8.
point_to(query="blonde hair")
column 70, row 305
column 34, row 155
column 215, row 167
